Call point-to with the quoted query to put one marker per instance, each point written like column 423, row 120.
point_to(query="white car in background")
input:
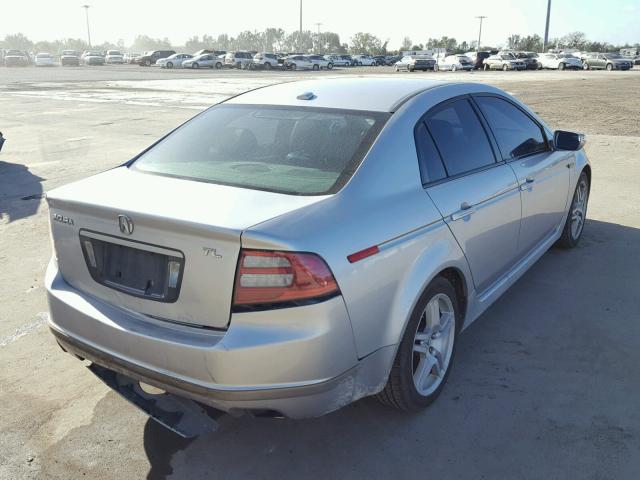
column 454, row 62
column 174, row 61
column 559, row 61
column 338, row 60
column 266, row 60
column 319, row 62
column 207, row 60
column 114, row 56
column 298, row 62
column 364, row 61
column 44, row 60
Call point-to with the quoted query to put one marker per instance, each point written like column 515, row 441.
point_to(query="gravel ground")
column 545, row 383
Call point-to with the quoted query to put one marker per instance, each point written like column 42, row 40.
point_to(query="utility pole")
column 317, row 24
column 546, row 28
column 300, row 31
column 86, row 11
column 481, row 17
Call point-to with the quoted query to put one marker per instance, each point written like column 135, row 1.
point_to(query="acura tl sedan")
column 332, row 247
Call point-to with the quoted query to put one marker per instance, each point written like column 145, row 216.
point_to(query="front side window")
column 516, row 133
column 460, row 137
column 294, row 150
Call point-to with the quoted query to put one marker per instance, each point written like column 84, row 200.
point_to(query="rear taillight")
column 273, row 277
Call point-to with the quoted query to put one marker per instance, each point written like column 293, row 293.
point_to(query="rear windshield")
column 293, row 150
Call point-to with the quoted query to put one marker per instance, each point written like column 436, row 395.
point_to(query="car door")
column 543, row 176
column 477, row 196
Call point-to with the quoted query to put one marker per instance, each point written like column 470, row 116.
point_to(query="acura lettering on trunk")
column 300, row 246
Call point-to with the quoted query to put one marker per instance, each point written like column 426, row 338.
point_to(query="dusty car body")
column 293, row 268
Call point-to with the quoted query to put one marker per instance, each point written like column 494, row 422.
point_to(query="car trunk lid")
column 163, row 247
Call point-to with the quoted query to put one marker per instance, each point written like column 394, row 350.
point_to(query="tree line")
column 277, row 40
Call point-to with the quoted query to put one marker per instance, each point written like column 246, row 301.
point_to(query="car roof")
column 371, row 94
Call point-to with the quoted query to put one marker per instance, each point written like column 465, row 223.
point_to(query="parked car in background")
column 93, row 58
column 559, row 61
column 44, row 60
column 174, row 61
column 364, row 60
column 69, row 57
column 150, row 58
column 415, row 62
column 206, row 50
column 298, row 62
column 319, row 62
column 607, row 61
column 278, row 253
column 503, row 61
column 238, row 59
column 338, row 60
column 206, row 60
column 114, row 57
column 265, row 60
column 530, row 60
column 132, row 58
column 16, row 58
column 454, row 63
column 477, row 58
column 391, row 60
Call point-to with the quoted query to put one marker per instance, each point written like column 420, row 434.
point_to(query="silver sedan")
column 301, row 246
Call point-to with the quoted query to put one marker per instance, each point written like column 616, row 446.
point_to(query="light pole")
column 481, row 17
column 300, row 31
column 86, row 11
column 317, row 24
column 546, row 28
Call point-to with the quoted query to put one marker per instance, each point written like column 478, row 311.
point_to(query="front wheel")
column 505, row 68
column 574, row 224
column 436, row 68
column 218, row 65
column 316, row 66
column 585, row 66
column 267, row 66
column 169, row 64
column 609, row 66
column 195, row 65
column 330, row 66
column 562, row 66
column 293, row 66
column 425, row 355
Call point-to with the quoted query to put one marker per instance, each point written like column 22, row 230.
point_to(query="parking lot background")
column 546, row 383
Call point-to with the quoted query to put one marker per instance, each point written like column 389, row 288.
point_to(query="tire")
column 293, row 66
column 195, row 65
column 574, row 223
column 316, row 66
column 415, row 353
column 267, row 66
column 330, row 66
column 397, row 68
column 505, row 67
column 585, row 66
column 485, row 67
column 148, row 63
column 218, row 65
column 169, row 65
column 238, row 65
column 436, row 68
column 454, row 68
column 561, row 66
column 609, row 67
column 539, row 66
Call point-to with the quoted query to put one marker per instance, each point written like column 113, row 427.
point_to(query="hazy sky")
column 614, row 21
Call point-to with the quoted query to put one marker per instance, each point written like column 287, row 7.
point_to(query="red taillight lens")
column 266, row 277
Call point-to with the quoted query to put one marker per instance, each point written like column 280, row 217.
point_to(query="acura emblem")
column 125, row 224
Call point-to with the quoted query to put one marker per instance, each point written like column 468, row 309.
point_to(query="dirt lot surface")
column 546, row 384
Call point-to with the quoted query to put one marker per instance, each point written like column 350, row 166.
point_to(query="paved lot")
column 546, row 383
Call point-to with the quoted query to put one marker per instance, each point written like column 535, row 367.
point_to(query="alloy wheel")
column 433, row 344
column 579, row 209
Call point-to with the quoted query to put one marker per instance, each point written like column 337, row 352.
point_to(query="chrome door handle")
column 465, row 211
column 527, row 184
column 529, row 180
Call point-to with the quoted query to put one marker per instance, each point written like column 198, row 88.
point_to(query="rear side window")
column 516, row 133
column 294, row 150
column 459, row 137
column 431, row 167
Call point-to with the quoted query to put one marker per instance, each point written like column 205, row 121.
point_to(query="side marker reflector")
column 362, row 254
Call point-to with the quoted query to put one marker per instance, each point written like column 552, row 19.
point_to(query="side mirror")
column 572, row 141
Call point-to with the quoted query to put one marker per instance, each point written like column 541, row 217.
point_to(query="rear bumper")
column 300, row 362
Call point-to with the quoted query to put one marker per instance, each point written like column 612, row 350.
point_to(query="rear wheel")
column 585, row 66
column 454, row 68
column 148, row 63
column 316, row 66
column 330, row 66
column 505, row 67
column 577, row 215
column 425, row 355
column 195, row 65
column 561, row 66
column 267, row 66
column 436, row 68
column 169, row 64
column 293, row 66
column 218, row 65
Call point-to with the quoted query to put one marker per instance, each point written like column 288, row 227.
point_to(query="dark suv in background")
column 150, row 58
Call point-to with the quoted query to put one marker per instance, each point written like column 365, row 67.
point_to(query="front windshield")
column 294, row 150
